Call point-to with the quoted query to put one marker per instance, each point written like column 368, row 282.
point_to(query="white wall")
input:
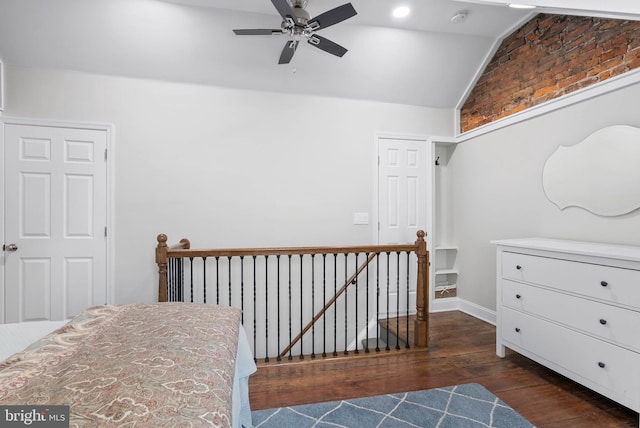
column 498, row 194
column 223, row 167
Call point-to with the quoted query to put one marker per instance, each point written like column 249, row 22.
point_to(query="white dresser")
column 575, row 308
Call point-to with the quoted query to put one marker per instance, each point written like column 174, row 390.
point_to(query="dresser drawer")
column 617, row 325
column 611, row 284
column 612, row 370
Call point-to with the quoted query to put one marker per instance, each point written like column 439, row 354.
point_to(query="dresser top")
column 595, row 249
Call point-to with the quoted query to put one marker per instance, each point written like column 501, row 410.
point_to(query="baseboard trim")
column 478, row 311
column 458, row 304
column 445, row 305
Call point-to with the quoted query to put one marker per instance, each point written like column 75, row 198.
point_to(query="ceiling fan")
column 297, row 24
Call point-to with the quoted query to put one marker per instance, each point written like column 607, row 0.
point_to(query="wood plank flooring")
column 461, row 350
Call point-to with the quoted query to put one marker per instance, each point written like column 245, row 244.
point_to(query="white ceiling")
column 424, row 60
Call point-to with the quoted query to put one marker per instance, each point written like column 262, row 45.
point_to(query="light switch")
column 361, row 218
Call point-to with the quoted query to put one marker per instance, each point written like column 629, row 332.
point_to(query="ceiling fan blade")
column 327, row 45
column 257, row 32
column 288, row 51
column 332, row 17
column 284, row 8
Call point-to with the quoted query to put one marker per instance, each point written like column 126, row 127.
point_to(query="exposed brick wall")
column 550, row 56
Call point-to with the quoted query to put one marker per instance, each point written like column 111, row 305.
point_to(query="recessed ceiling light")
column 521, row 6
column 401, row 12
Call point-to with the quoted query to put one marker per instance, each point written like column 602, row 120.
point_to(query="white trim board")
column 1, row 87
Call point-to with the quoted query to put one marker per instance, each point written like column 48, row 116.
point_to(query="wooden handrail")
column 237, row 252
column 329, row 304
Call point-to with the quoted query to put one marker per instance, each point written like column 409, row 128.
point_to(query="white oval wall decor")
column 600, row 174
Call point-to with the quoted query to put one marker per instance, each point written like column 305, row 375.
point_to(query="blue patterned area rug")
column 460, row 406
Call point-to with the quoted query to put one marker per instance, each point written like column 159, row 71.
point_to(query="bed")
column 162, row 364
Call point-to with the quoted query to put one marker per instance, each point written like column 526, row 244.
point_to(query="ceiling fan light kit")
column 298, row 25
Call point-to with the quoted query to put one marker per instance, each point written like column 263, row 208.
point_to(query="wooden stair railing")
column 166, row 253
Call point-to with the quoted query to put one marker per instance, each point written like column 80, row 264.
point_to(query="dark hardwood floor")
column 461, row 350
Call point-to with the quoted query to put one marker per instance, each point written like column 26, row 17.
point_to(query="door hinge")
column 105, row 231
column 105, row 155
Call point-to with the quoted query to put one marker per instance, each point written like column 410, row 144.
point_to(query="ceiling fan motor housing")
column 299, row 3
column 301, row 15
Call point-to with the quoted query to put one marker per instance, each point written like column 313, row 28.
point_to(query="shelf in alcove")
column 446, row 248
column 446, row 271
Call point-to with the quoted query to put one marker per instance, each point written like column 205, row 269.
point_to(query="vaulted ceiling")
column 424, row 59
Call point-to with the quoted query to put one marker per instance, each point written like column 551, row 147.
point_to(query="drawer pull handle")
column 518, row 296
column 601, row 365
column 603, row 321
column 604, row 283
column 517, row 329
column 518, row 267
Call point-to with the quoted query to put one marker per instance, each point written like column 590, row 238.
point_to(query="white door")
column 402, row 189
column 402, row 209
column 55, row 249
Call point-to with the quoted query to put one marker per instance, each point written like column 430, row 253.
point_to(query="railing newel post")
column 161, row 260
column 421, row 330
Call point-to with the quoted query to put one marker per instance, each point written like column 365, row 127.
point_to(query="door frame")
column 109, row 129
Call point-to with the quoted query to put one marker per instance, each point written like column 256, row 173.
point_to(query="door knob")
column 10, row 248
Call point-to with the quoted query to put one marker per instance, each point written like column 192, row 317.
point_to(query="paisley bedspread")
column 155, row 365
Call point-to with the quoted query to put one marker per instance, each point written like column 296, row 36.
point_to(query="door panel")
column 35, row 278
column 34, row 197
column 79, row 206
column 55, row 212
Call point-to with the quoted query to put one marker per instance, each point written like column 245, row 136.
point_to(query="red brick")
column 516, row 43
column 616, row 42
column 617, row 70
column 608, row 24
column 545, row 91
column 572, row 79
column 632, row 58
column 616, row 52
column 576, row 33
